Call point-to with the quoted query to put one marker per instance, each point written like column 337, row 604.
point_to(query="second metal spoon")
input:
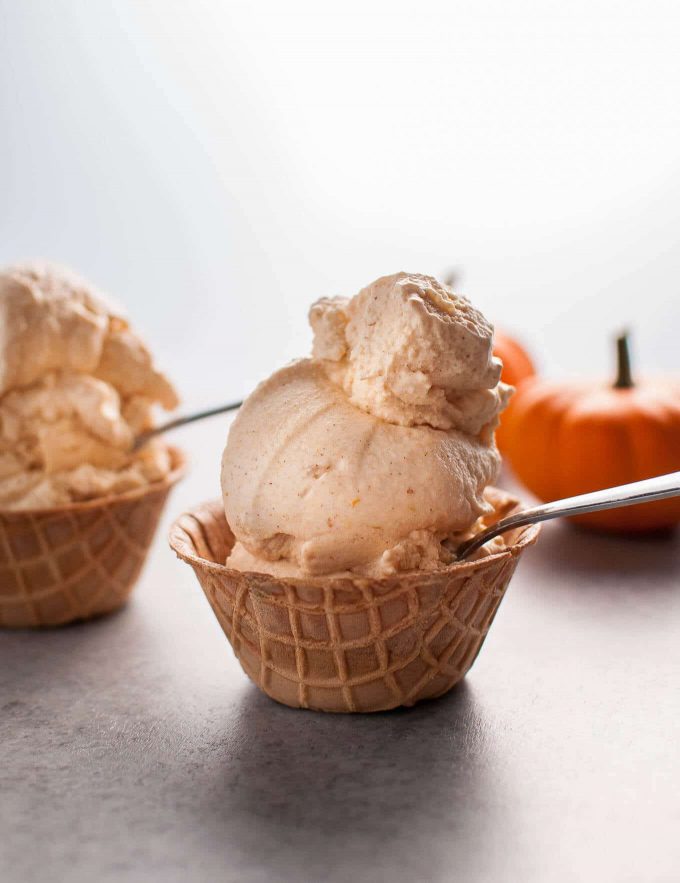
column 144, row 437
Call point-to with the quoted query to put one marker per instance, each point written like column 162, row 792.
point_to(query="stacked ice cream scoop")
column 367, row 456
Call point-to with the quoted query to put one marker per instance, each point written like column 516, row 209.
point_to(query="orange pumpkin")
column 564, row 439
column 517, row 364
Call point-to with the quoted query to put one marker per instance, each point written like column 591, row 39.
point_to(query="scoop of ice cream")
column 366, row 457
column 409, row 350
column 51, row 319
column 314, row 485
column 76, row 386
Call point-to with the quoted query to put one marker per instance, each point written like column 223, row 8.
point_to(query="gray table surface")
column 135, row 749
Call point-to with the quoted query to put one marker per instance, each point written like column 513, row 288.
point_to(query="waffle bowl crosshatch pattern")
column 78, row 561
column 350, row 645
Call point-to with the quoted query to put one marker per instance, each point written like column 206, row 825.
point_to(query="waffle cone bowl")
column 351, row 645
column 78, row 561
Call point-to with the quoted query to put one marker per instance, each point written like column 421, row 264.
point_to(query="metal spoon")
column 144, row 437
column 610, row 498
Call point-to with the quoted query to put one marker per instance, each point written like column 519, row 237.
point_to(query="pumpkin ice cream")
column 76, row 386
column 364, row 458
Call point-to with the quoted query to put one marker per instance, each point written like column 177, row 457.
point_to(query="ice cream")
column 364, row 458
column 76, row 386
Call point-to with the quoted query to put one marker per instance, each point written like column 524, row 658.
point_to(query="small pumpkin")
column 517, row 363
column 563, row 439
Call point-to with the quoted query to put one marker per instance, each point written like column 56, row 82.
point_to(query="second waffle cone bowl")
column 351, row 644
column 81, row 560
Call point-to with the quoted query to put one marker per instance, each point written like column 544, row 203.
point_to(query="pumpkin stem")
column 624, row 378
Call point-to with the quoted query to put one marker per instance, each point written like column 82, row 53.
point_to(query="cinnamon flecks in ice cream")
column 409, row 350
column 76, row 386
column 367, row 456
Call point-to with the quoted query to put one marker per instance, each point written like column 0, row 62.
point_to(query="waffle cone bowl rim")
column 526, row 536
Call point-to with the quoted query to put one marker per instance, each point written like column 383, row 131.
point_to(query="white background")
column 217, row 166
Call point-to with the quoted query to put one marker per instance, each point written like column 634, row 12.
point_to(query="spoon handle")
column 658, row 488
column 144, row 437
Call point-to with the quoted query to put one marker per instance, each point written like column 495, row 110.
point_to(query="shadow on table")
column 400, row 792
